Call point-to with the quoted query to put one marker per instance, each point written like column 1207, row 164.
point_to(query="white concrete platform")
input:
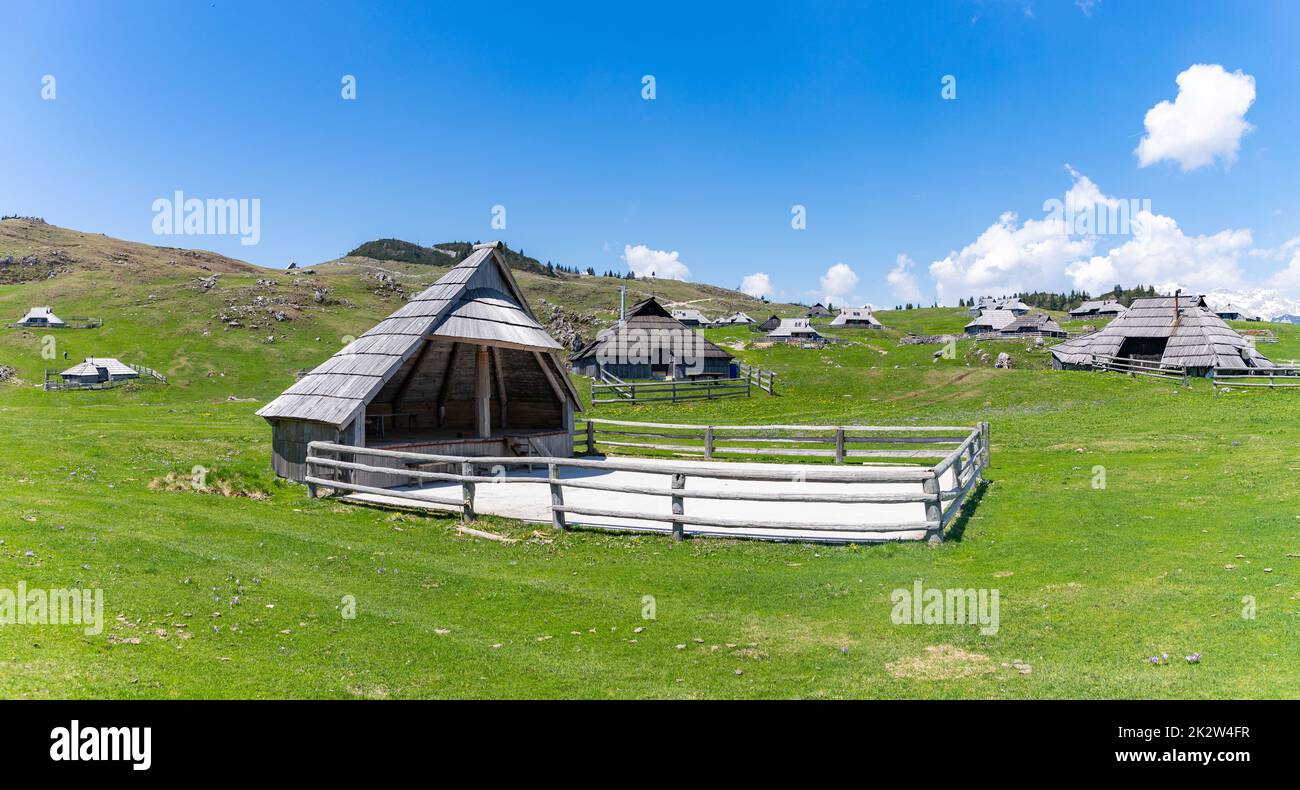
column 532, row 502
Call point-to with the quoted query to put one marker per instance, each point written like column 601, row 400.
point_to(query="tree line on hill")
column 1064, row 302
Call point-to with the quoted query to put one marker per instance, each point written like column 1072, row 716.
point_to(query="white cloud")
column 645, row 262
column 757, row 285
column 1203, row 123
column 838, row 283
column 1160, row 253
column 1009, row 257
column 1052, row 253
column 902, row 282
column 1086, row 6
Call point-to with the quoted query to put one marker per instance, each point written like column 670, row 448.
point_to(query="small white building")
column 42, row 317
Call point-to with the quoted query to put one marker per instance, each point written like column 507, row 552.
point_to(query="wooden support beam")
column 482, row 393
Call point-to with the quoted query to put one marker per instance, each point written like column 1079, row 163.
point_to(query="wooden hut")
column 818, row 311
column 649, row 343
column 768, row 325
column 1171, row 330
column 97, row 370
column 690, row 317
column 796, row 330
column 42, row 317
column 1099, row 307
column 857, row 316
column 1034, row 324
column 991, row 321
column 734, row 318
column 463, row 369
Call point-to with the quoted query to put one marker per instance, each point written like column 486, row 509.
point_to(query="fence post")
column 679, row 509
column 708, row 441
column 557, row 497
column 933, row 509
column 467, row 491
column 591, row 437
column 984, row 442
column 839, row 445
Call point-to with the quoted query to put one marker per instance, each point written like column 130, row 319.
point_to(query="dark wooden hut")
column 649, row 343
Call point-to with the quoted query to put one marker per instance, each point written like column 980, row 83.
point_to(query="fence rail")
column 1140, row 367
column 1287, row 377
column 763, row 379
column 943, row 487
column 653, row 391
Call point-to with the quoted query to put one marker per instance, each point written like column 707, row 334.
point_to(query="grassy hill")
column 235, row 588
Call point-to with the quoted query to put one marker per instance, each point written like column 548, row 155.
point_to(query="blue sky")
column 834, row 107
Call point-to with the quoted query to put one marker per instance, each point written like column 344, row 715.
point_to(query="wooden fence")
column 1141, row 367
column 54, row 382
column 619, row 391
column 840, row 443
column 1256, row 378
column 72, row 322
column 763, row 379
column 330, row 466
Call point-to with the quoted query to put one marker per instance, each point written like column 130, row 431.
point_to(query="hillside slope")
column 220, row 327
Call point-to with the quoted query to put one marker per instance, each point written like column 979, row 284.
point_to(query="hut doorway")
column 1147, row 349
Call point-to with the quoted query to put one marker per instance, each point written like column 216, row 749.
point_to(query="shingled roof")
column 478, row 301
column 1199, row 339
column 647, row 323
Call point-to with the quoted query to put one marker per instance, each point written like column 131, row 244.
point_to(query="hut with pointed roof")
column 768, row 325
column 818, row 311
column 1039, row 324
column 734, row 318
column 97, row 370
column 796, row 330
column 690, row 317
column 1172, row 330
column 648, row 343
column 857, row 316
column 1098, row 307
column 464, row 368
column 990, row 321
column 41, row 317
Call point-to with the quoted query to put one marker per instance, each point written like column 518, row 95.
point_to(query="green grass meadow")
column 244, row 595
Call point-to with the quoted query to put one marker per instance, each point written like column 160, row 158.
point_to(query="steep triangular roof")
column 1199, row 338
column 477, row 301
column 647, row 324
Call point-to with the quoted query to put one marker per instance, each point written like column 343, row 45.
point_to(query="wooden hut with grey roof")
column 463, row 369
column 1172, row 330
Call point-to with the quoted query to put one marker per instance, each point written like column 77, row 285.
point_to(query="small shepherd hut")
column 96, row 370
column 1034, row 324
column 463, row 369
column 1102, row 307
column 857, row 316
column 818, row 311
column 991, row 321
column 42, row 317
column 796, row 330
column 648, row 343
column 767, row 326
column 690, row 317
column 734, row 318
column 1172, row 330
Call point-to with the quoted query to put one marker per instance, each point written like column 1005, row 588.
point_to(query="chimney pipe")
column 1177, row 315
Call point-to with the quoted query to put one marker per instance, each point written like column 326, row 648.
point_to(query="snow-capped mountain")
column 1262, row 302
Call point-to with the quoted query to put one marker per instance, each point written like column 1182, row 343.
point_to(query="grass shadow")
column 958, row 527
